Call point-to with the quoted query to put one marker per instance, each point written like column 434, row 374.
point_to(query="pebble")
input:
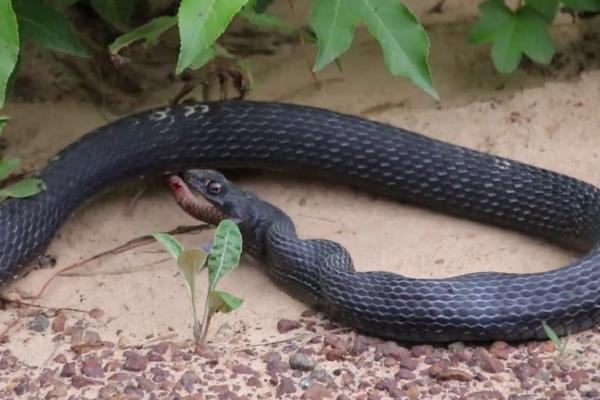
column 302, row 362
column 243, row 370
column 317, row 392
column 391, row 349
column 486, row 395
column 68, row 370
column 254, row 382
column 134, row 361
column 58, row 323
column 453, row 374
column 57, row 392
column 79, row 381
column 492, row 365
column 145, row 384
column 108, row 392
column 578, row 378
column 421, row 350
column 501, row 349
column 286, row 325
column 188, row 380
column 286, row 386
column 39, row 323
column 92, row 368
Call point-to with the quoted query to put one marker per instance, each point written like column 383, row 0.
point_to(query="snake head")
column 232, row 201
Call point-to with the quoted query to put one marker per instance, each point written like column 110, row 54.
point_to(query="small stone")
column 254, row 382
column 159, row 375
column 317, row 392
column 302, row 362
column 58, row 323
column 60, row 358
column 453, row 374
column 134, row 361
column 145, row 384
column 392, row 349
column 421, row 350
column 390, row 386
column 96, row 313
column 160, row 348
column 79, row 381
column 362, row 343
column 501, row 349
column 321, row 375
column 39, row 323
column 404, row 374
column 92, row 368
column 120, row 377
column 207, row 353
column 486, row 395
column 492, row 365
column 409, row 363
column 57, row 392
column 286, row 325
column 412, row 391
column 68, row 370
column 578, row 378
column 547, row 347
column 188, row 380
column 286, row 386
column 243, row 370
column 108, row 392
column 276, row 365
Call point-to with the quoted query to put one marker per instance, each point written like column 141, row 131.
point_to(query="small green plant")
column 23, row 188
column 560, row 344
column 224, row 257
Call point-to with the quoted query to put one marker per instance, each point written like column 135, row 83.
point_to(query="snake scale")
column 371, row 155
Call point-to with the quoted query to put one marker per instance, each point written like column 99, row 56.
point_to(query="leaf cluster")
column 223, row 258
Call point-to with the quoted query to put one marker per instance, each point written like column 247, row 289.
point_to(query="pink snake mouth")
column 186, row 199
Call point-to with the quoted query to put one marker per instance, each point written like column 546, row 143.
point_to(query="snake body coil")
column 363, row 153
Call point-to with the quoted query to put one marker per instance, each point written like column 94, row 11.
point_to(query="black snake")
column 375, row 156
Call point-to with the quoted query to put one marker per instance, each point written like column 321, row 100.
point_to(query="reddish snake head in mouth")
column 186, row 199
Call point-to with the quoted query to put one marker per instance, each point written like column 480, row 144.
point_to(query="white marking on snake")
column 159, row 115
column 196, row 108
column 503, row 164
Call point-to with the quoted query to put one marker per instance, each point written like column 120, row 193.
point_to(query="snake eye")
column 214, row 187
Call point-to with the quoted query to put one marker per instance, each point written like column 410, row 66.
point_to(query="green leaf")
column 149, row 32
column 116, row 11
column 583, row 5
column 171, row 244
column 547, row 8
column 189, row 263
column 223, row 302
column 552, row 335
column 24, row 188
column 200, row 24
column 513, row 34
column 9, row 46
column 266, row 20
column 333, row 22
column 203, row 57
column 225, row 253
column 7, row 166
column 404, row 41
column 533, row 37
column 495, row 16
column 47, row 27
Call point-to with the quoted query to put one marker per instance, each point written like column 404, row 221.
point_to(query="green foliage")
column 23, row 188
column 225, row 253
column 223, row 258
column 200, row 24
column 116, row 11
column 47, row 27
column 9, row 46
column 403, row 40
column 148, row 33
column 514, row 33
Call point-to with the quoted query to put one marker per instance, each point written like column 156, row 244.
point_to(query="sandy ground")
column 546, row 116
